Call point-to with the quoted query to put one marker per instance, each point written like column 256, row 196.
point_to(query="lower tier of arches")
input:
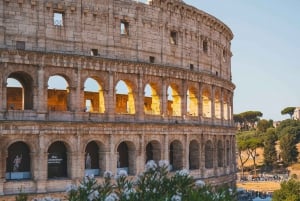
column 47, row 156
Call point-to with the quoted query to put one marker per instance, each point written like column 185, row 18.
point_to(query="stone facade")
column 174, row 61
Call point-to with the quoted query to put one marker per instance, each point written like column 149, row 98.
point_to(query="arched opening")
column 153, row 151
column 93, row 96
column 225, row 107
column 92, row 159
column 176, row 155
column 58, row 94
column 124, row 98
column 206, row 103
column 126, row 157
column 19, row 91
column 192, row 102
column 57, row 160
column 218, row 104
column 227, row 152
column 18, row 162
column 194, row 155
column 209, row 155
column 151, row 100
column 220, row 154
column 174, row 101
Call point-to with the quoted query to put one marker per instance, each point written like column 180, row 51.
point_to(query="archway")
column 93, row 96
column 174, row 101
column 153, row 151
column 192, row 102
column 57, row 160
column 218, row 104
column 124, row 98
column 151, row 100
column 220, row 154
column 194, row 155
column 92, row 166
column 58, row 94
column 176, row 155
column 206, row 103
column 126, row 157
column 19, row 91
column 18, row 161
column 209, row 155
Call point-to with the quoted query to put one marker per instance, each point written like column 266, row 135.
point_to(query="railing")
column 68, row 116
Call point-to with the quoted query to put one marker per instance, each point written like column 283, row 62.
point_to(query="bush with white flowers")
column 154, row 184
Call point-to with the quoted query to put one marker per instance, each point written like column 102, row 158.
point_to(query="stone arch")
column 176, row 155
column 206, row 102
column 93, row 95
column 174, row 100
column 220, row 150
column 194, row 155
column 57, row 160
column 151, row 99
column 126, row 153
column 94, row 158
column 18, row 162
column 217, row 97
column 20, row 97
column 58, row 93
column 192, row 101
column 209, row 154
column 125, row 98
column 153, row 151
column 225, row 105
column 227, row 153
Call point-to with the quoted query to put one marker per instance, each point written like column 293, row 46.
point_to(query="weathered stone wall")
column 166, row 44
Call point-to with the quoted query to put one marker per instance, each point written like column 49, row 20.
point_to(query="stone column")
column 41, row 98
column 165, row 148
column 3, row 156
column 4, row 93
column 42, row 171
column 186, row 152
column 222, row 106
column 78, row 97
column 200, row 103
column 202, row 155
column 164, row 100
column 140, row 99
column 110, row 98
column 184, row 100
column 213, row 116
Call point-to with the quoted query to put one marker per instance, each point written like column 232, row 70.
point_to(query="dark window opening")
column 173, row 37
column 224, row 55
column 94, row 52
column 152, row 59
column 205, row 46
column 191, row 66
column 124, row 28
column 58, row 18
column 20, row 45
column 217, row 73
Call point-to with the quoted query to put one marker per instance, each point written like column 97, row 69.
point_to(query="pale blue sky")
column 266, row 52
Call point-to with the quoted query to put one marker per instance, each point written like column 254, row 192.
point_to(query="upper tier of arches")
column 160, row 93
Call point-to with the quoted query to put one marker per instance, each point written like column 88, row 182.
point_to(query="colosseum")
column 95, row 85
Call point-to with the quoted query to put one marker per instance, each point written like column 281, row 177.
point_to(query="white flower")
column 112, row 197
column 71, row 187
column 108, row 174
column 127, row 192
column 163, row 164
column 150, row 165
column 183, row 172
column 121, row 173
column 200, row 183
column 176, row 198
column 93, row 195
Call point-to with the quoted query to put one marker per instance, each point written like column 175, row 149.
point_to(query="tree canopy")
column 289, row 191
column 248, row 118
column 288, row 110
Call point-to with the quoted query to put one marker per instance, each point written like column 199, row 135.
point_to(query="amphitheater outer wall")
column 174, row 34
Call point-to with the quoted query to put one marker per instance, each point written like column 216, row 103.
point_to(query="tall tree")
column 263, row 125
column 289, row 111
column 270, row 154
column 253, row 144
column 289, row 152
column 242, row 148
column 248, row 118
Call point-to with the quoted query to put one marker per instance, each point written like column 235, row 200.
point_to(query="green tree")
column 263, row 125
column 270, row 154
column 289, row 152
column 288, row 110
column 253, row 144
column 247, row 119
column 289, row 191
